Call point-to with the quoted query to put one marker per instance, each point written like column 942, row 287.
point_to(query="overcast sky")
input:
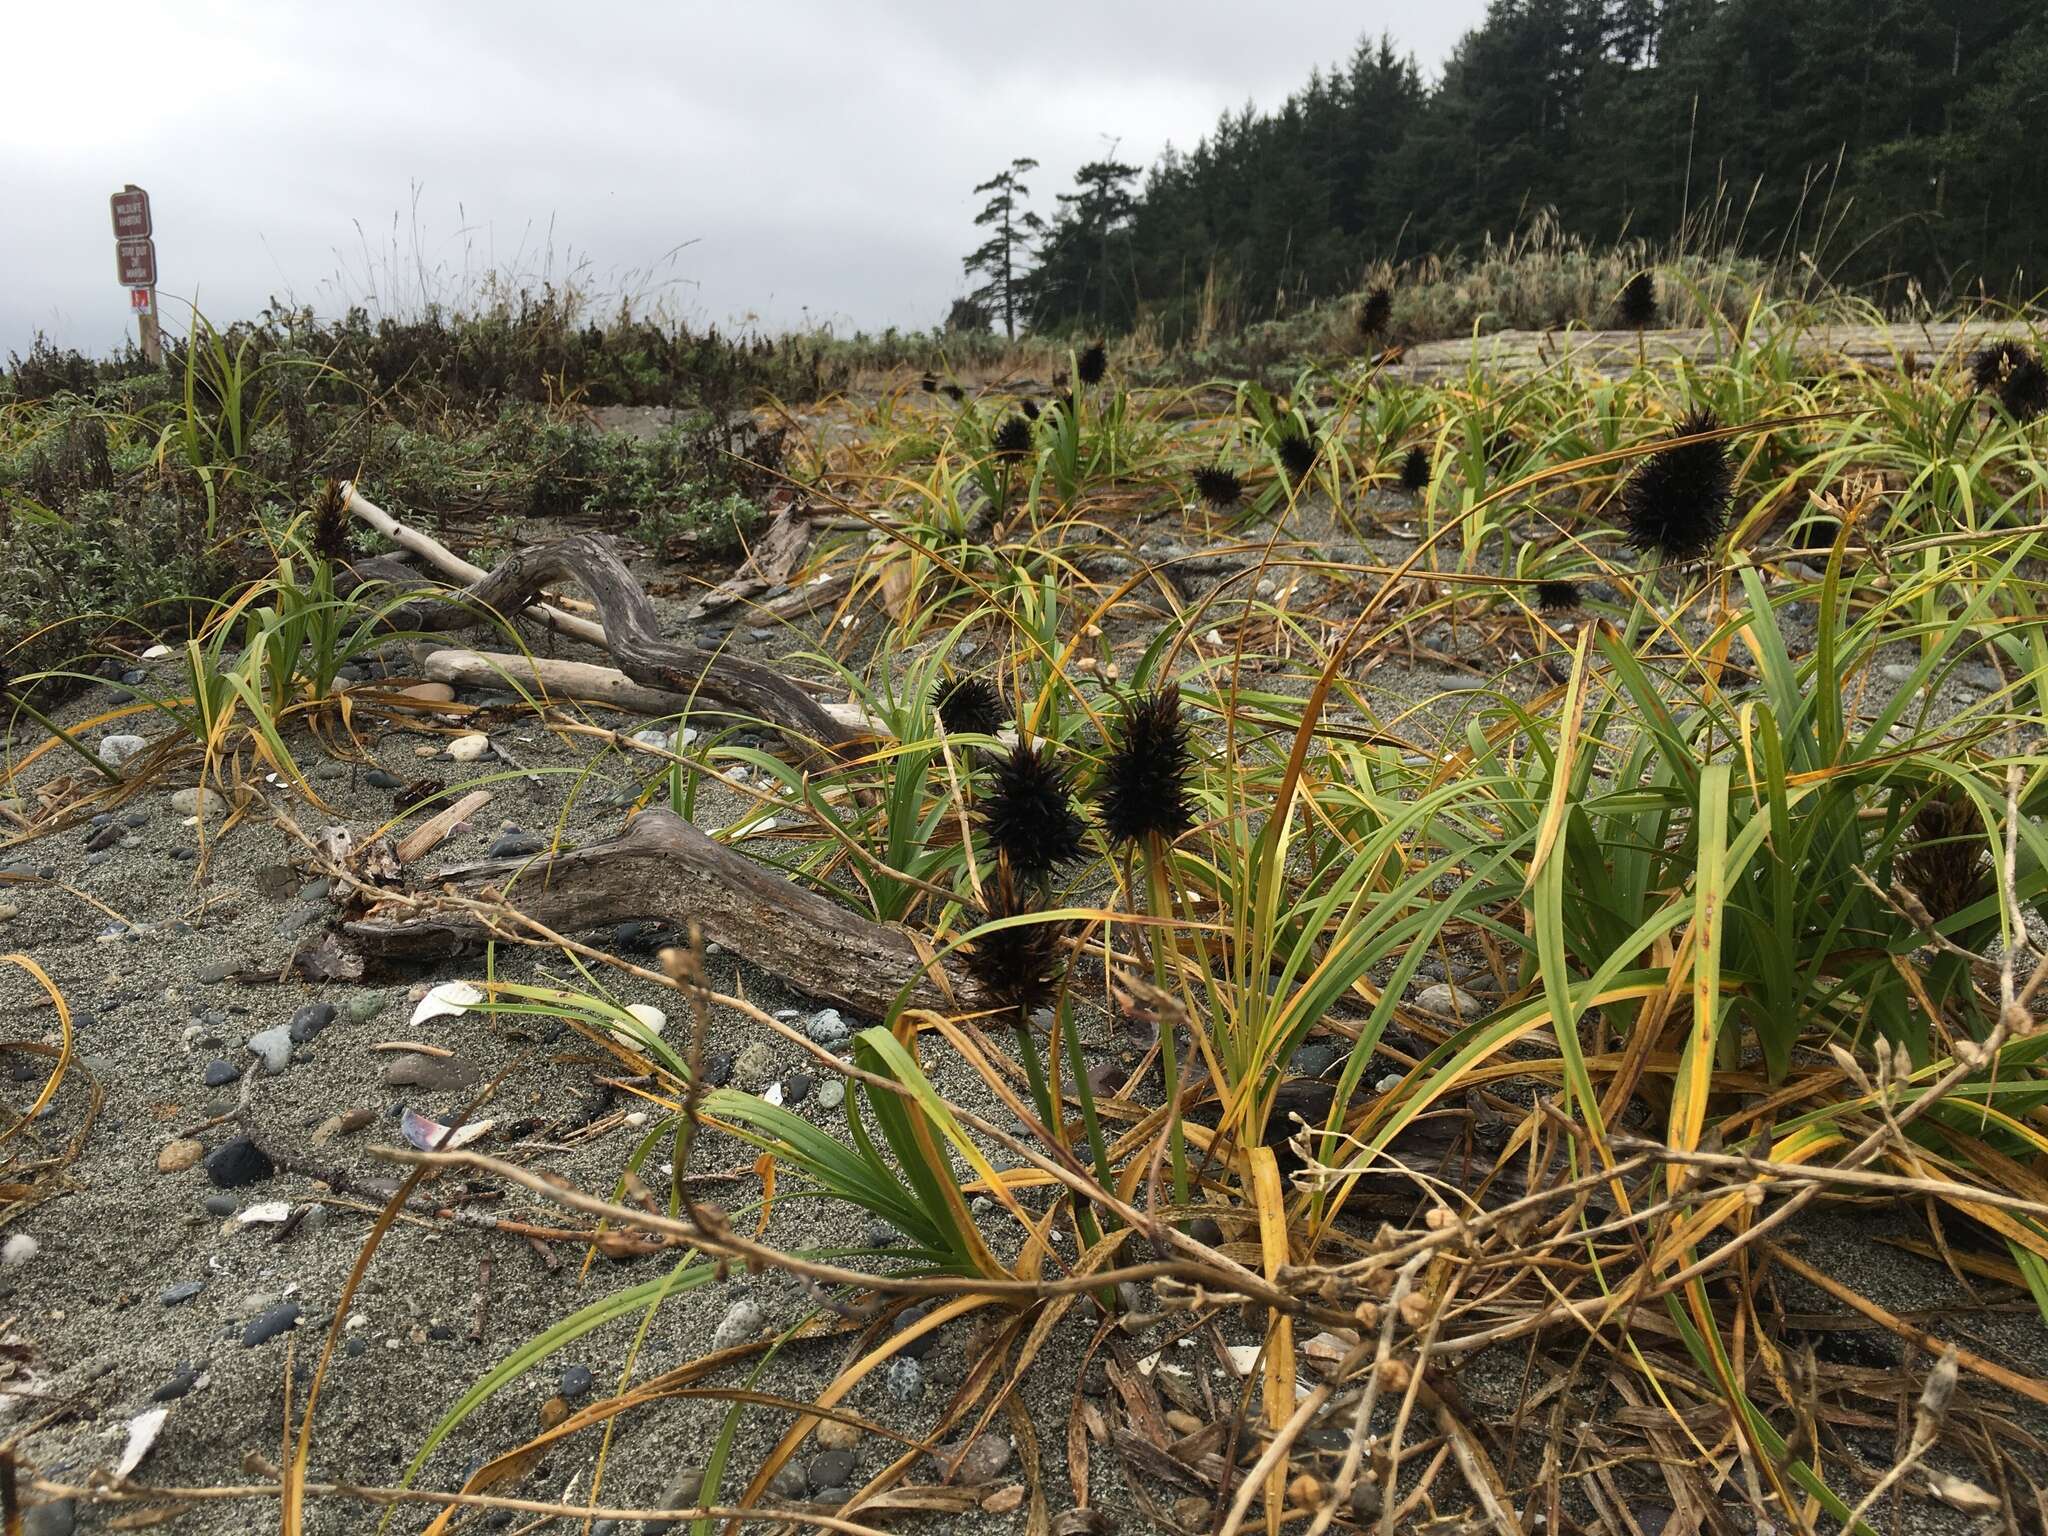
column 782, row 161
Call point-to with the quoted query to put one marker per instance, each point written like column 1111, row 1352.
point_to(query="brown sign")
column 137, row 261
column 131, row 214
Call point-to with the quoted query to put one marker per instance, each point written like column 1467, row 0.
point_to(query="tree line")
column 1886, row 142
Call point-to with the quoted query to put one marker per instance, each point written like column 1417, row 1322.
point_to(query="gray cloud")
column 803, row 160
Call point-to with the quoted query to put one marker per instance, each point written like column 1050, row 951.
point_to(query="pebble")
column 236, row 1163
column 742, row 1321
column 796, row 1087
column 179, row 1155
column 214, row 972
column 576, row 1381
column 268, row 1324
column 117, row 750
column 185, row 1379
column 8, row 910
column 310, row 1020
column 184, row 1290
column 986, row 1459
column 827, row 1028
column 517, row 845
column 468, row 748
column 920, row 1346
column 57, row 1518
column 756, row 1065
column 831, row 1093
column 789, row 1483
column 1318, row 1056
column 219, row 1074
column 718, row 1069
column 18, row 1250
column 904, row 1380
column 882, row 1234
column 644, row 935
column 430, row 693
column 1454, row 1002
column 219, row 1205
column 830, row 1469
column 365, row 1006
column 836, row 1436
column 432, row 1074
column 274, row 1045
column 342, row 1125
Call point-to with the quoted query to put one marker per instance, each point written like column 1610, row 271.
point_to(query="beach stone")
column 644, row 935
column 830, row 1469
column 718, row 1069
column 365, row 1006
column 742, row 1321
column 920, row 1346
column 57, row 1518
column 179, row 1155
column 268, row 1324
column 219, row 1205
column 986, row 1459
column 310, row 1020
column 789, row 1483
column 756, row 1065
column 1318, row 1056
column 576, row 1381
column 468, row 748
column 432, row 1074
column 796, row 1087
column 234, row 1164
column 517, row 845
column 184, row 1290
column 430, row 693
column 274, row 1045
column 882, row 1234
column 831, row 1093
column 219, row 1074
column 835, row 1436
column 1453, row 1001
column 827, row 1028
column 181, row 1382
column 382, row 778
column 904, row 1380
column 114, row 751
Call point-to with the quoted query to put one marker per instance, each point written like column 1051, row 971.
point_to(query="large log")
column 662, row 867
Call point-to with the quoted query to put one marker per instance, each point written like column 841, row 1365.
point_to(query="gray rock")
column 829, row 1469
column 986, row 1459
column 433, row 1074
column 517, row 845
column 274, row 1045
column 117, row 750
column 268, row 1324
column 181, row 1382
column 681, row 1494
column 236, row 1163
column 379, row 778
column 756, row 1066
column 219, row 1205
column 310, row 1020
column 904, row 1380
column 57, row 1518
column 831, row 1093
column 1455, row 1002
column 365, row 1006
column 827, row 1028
column 184, row 1290
column 576, row 1381
column 219, row 1074
column 743, row 1320
column 789, row 1482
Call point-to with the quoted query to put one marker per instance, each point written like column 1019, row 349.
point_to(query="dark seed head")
column 1377, row 313
column 1558, row 596
column 2011, row 371
column 1030, row 409
column 1297, row 452
column 1415, row 470
column 954, row 392
column 1029, row 812
column 929, row 384
column 1638, row 305
column 1219, row 487
column 330, row 526
column 1020, row 966
column 969, row 705
column 1092, row 364
column 1942, row 858
column 1676, row 502
column 1012, row 439
column 1145, row 778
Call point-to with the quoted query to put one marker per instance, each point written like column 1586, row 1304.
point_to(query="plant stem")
column 1161, row 905
column 64, row 736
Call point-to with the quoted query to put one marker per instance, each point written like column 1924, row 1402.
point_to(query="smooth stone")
column 310, row 1020
column 365, row 1006
column 796, row 1087
column 219, row 1074
column 183, row 1382
column 742, row 1321
column 330, row 771
column 830, row 1469
column 1318, row 1056
column 430, row 693
column 274, row 1045
column 117, row 750
column 920, row 1346
column 904, row 1380
column 220, row 1205
column 576, row 1381
column 268, row 1324
column 1454, row 1002
column 184, row 1290
column 432, row 1074
column 644, row 935
column 470, row 747
column 214, row 972
column 827, row 1028
column 831, row 1093
column 179, row 1155
column 718, row 1069
column 789, row 1483
column 756, row 1065
column 381, row 778
column 882, row 1234
column 234, row 1164
column 517, row 845
column 57, row 1518
column 835, row 1436
column 986, row 1459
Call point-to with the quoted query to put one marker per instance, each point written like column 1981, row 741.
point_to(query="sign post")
column 135, row 261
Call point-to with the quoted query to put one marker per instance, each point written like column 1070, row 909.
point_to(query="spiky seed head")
column 330, row 526
column 1093, row 363
column 1558, row 596
column 929, row 384
column 1638, row 304
column 1012, row 439
column 1942, row 858
column 1020, row 966
column 1030, row 410
column 1219, row 487
column 1297, row 452
column 969, row 706
column 1377, row 313
column 2010, row 371
column 1416, row 471
column 1676, row 503
column 1145, row 777
column 1028, row 812
column 955, row 392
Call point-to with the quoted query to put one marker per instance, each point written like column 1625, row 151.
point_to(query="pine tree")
column 1000, row 257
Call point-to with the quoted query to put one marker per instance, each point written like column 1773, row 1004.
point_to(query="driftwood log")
column 662, row 867
column 714, row 680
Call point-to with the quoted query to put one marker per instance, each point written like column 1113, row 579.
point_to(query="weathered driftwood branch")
column 587, row 681
column 662, row 867
column 716, row 680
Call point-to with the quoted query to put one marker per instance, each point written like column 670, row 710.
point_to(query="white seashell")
column 142, row 1432
column 270, row 1211
column 450, row 997
column 432, row 1136
column 156, row 653
column 772, row 1094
